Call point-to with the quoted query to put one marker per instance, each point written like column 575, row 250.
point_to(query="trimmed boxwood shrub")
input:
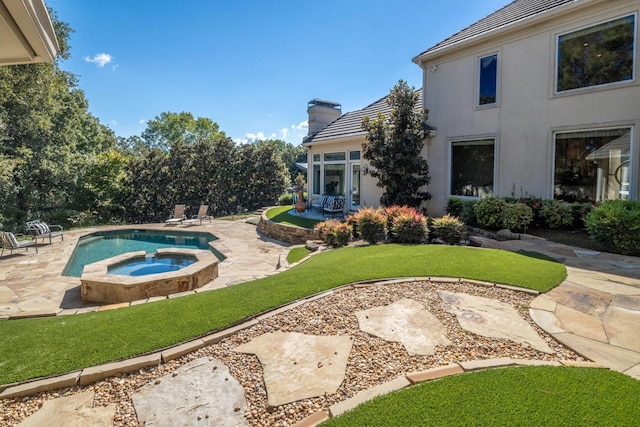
column 616, row 225
column 468, row 215
column 285, row 199
column 449, row 229
column 489, row 212
column 455, row 206
column 516, row 216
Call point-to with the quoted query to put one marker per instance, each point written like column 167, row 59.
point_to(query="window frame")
column 452, row 143
column 632, row 190
column 476, row 96
column 556, row 63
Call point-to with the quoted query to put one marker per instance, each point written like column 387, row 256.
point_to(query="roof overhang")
column 26, row 33
column 514, row 26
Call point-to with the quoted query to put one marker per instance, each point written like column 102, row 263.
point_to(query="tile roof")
column 515, row 11
column 350, row 124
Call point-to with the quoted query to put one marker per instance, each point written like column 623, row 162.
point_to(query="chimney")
column 321, row 113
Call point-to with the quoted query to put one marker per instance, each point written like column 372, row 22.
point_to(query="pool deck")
column 31, row 284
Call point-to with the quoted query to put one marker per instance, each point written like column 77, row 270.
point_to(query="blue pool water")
column 152, row 265
column 102, row 245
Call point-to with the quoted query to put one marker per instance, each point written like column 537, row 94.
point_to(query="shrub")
column 371, row 224
column 285, row 199
column 535, row 203
column 516, row 216
column 579, row 211
column 468, row 215
column 489, row 212
column 616, row 225
column 334, row 232
column 556, row 214
column 394, row 211
column 455, row 206
column 410, row 227
column 449, row 229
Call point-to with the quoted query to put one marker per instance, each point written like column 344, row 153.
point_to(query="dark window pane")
column 488, row 80
column 596, row 55
column 472, row 168
column 592, row 166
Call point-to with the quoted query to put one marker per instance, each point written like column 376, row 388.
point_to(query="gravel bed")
column 372, row 361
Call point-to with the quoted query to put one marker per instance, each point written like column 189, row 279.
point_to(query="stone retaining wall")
column 286, row 233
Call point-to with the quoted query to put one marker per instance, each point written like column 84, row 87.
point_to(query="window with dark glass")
column 472, row 167
column 592, row 165
column 596, row 55
column 488, row 93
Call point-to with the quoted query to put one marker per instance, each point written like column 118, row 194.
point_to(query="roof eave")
column 33, row 33
column 514, row 26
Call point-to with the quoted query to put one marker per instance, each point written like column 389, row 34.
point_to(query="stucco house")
column 540, row 98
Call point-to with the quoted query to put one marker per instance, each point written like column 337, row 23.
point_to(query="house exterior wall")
column 369, row 193
column 529, row 111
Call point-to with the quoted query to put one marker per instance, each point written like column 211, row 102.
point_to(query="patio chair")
column 178, row 216
column 197, row 219
column 42, row 229
column 10, row 241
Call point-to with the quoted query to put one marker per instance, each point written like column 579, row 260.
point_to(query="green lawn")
column 296, row 254
column 281, row 215
column 39, row 347
column 519, row 396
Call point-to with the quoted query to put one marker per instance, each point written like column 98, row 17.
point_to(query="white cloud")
column 253, row 137
column 142, row 121
column 101, row 59
column 301, row 126
column 284, row 132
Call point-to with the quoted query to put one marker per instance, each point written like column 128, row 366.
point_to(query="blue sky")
column 251, row 66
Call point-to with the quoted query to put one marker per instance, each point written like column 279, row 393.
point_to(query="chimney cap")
column 316, row 102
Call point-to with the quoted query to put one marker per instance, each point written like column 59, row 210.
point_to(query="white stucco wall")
column 528, row 111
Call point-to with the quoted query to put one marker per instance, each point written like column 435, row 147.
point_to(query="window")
column 592, row 165
column 488, row 81
column 596, row 55
column 316, row 175
column 334, row 179
column 334, row 157
column 472, row 166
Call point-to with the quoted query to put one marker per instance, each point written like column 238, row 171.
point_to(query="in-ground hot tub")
column 136, row 276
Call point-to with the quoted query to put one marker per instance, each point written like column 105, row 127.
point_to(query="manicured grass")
column 296, row 254
column 519, row 396
column 280, row 214
column 40, row 347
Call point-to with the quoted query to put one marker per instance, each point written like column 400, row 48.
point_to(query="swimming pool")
column 106, row 244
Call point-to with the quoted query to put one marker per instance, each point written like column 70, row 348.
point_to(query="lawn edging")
column 96, row 373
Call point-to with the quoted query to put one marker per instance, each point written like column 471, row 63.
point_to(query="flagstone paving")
column 75, row 410
column 596, row 310
column 405, row 321
column 297, row 366
column 491, row 318
column 201, row 392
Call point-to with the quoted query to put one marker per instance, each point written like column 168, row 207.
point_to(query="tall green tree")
column 171, row 128
column 393, row 149
column 48, row 137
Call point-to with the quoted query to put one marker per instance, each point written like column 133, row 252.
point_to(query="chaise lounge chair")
column 197, row 219
column 41, row 229
column 178, row 216
column 10, row 241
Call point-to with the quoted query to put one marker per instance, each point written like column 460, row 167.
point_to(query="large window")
column 488, row 80
column 472, row 167
column 596, row 55
column 334, row 179
column 592, row 165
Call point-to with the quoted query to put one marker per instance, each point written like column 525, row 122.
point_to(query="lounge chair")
column 197, row 219
column 178, row 216
column 41, row 229
column 10, row 241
